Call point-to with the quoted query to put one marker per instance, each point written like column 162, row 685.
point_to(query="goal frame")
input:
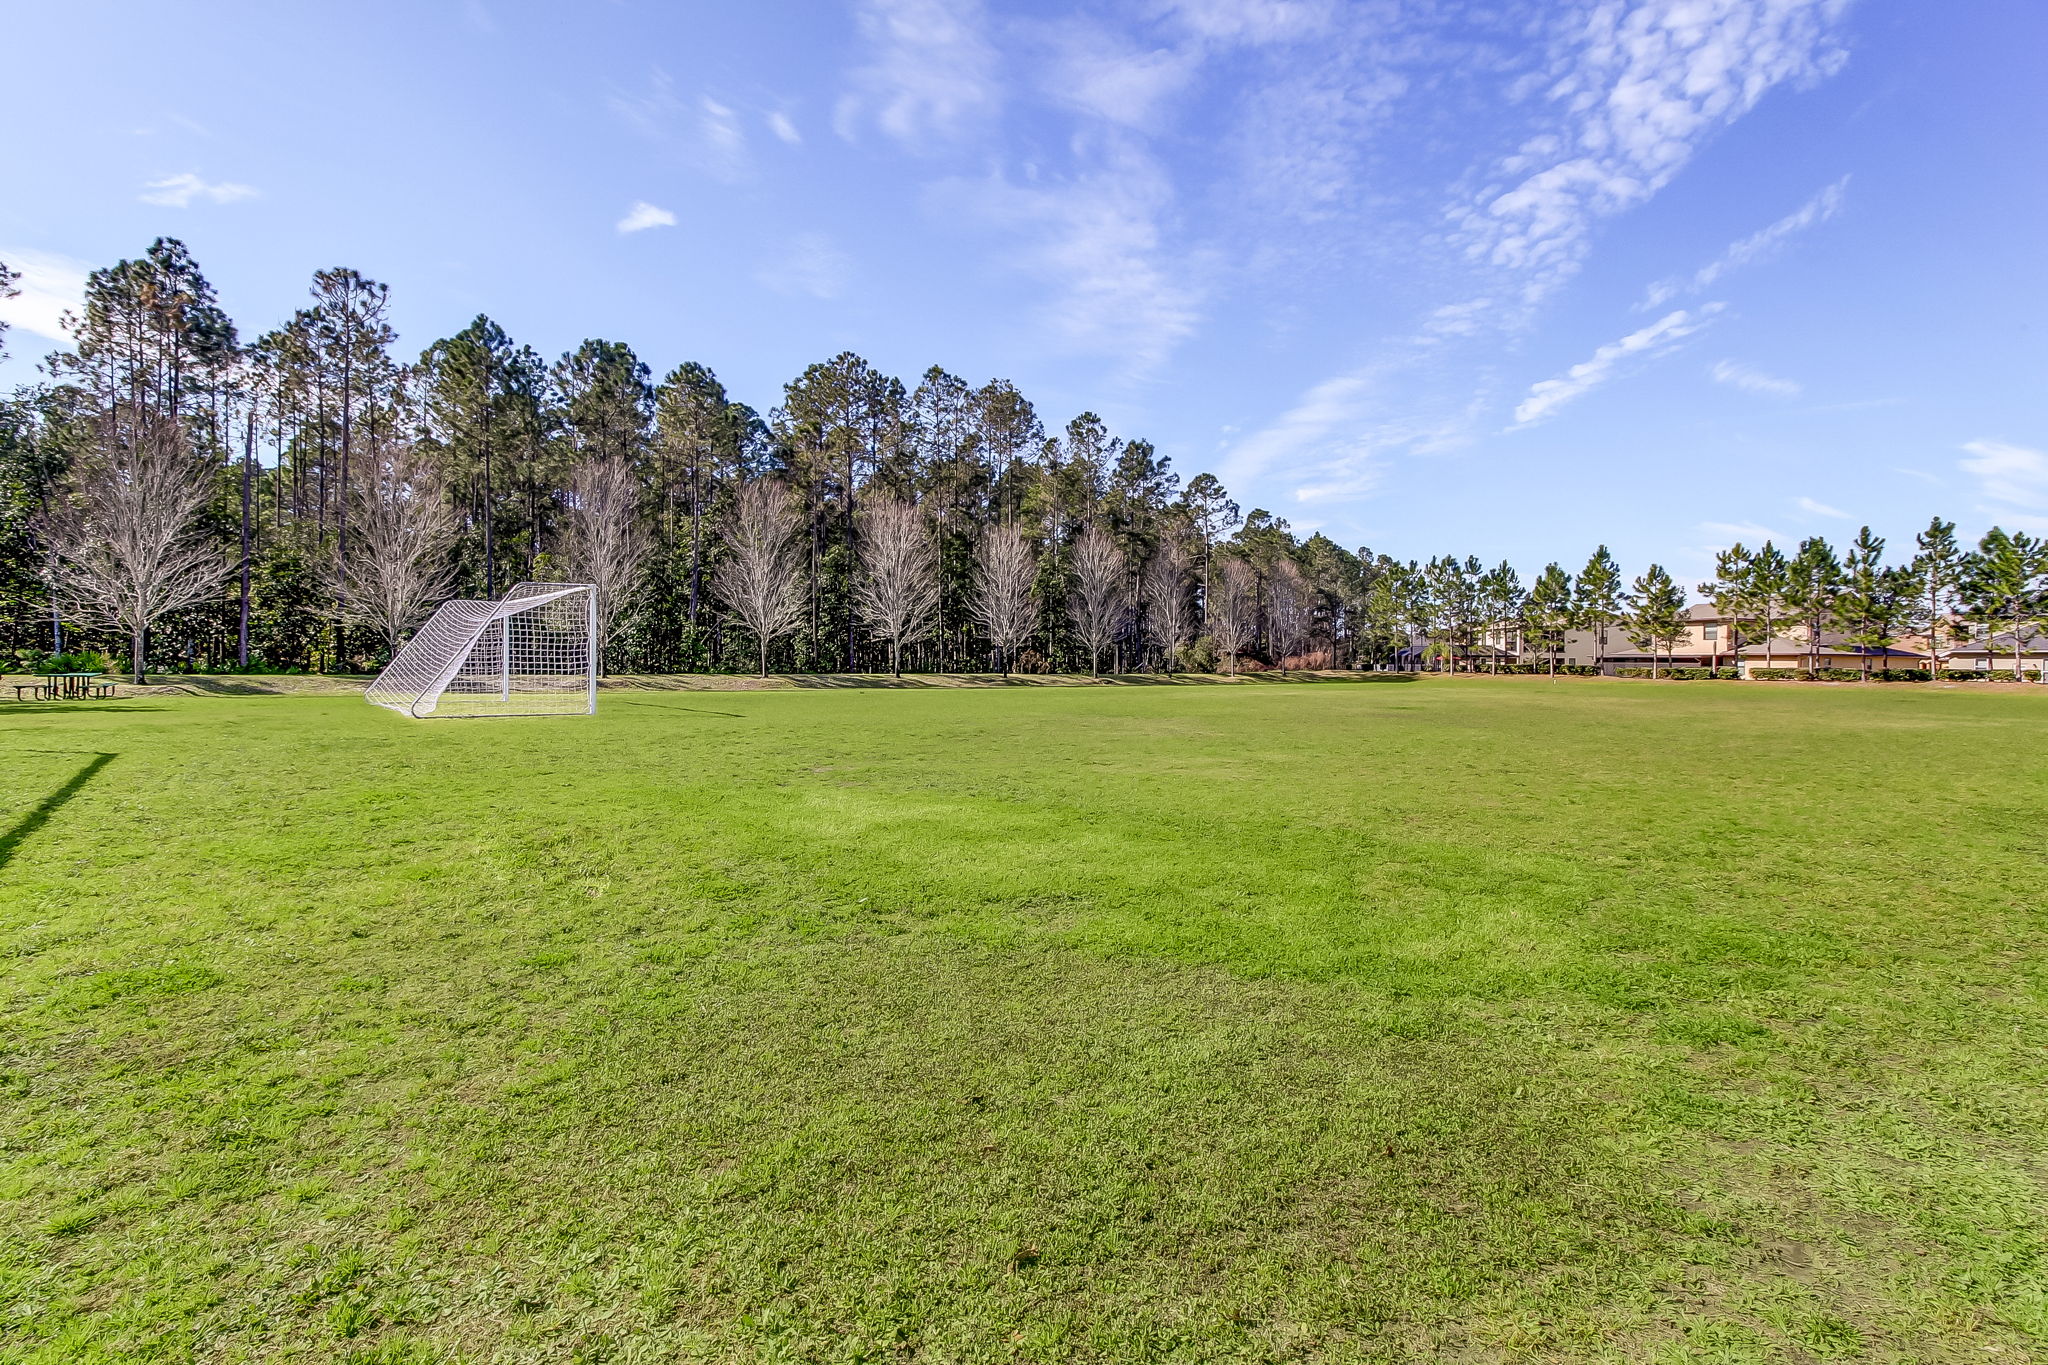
column 533, row 652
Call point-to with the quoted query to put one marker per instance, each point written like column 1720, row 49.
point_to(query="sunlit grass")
column 1451, row 1019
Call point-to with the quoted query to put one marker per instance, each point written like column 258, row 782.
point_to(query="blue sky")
column 1499, row 278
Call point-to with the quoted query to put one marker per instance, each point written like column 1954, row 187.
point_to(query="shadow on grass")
column 967, row 680
column 51, row 804
column 38, row 708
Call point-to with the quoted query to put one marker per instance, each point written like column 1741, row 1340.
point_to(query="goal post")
column 534, row 652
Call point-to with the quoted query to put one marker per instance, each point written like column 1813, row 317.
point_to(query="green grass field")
column 1445, row 1020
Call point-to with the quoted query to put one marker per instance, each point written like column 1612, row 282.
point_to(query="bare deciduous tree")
column 761, row 576
column 1102, row 594
column 1004, row 568
column 898, row 589
column 1169, row 608
column 1289, row 608
column 606, row 541
column 404, row 528
column 1233, row 609
column 126, row 544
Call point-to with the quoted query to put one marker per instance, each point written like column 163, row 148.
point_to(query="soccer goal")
column 532, row 653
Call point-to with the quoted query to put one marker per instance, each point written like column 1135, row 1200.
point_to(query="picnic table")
column 66, row 685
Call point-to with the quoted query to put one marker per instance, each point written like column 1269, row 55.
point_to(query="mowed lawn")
column 1460, row 1020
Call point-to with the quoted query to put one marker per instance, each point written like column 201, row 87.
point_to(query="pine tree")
column 1597, row 606
column 1656, row 615
column 1547, row 612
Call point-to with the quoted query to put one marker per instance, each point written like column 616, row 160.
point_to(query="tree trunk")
column 248, row 458
column 138, row 644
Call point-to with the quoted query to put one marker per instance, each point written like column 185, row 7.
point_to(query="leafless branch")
column 127, row 547
column 1102, row 595
column 1233, row 608
column 606, row 542
column 898, row 589
column 1003, row 571
column 761, row 576
column 1169, row 608
column 403, row 528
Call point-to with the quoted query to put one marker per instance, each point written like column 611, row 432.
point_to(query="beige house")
column 1705, row 644
column 1793, row 651
column 1995, row 655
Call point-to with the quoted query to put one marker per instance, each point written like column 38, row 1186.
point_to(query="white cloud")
column 1637, row 89
column 1747, row 532
column 1821, row 509
column 812, row 266
column 1750, row 380
column 1098, row 73
column 1248, row 21
column 931, row 74
column 1547, row 396
column 644, row 215
column 1757, row 246
column 1094, row 239
column 783, row 127
column 50, row 285
column 705, row 131
column 2012, row 480
column 178, row 191
column 722, row 146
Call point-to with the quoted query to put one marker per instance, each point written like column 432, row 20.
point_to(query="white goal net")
column 532, row 653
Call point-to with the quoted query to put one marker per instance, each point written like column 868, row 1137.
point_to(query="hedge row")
column 1857, row 675
column 1684, row 674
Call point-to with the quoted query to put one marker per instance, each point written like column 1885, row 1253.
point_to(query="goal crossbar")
column 533, row 652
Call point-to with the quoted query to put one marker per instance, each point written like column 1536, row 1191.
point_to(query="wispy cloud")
column 51, row 286
column 644, row 215
column 1821, row 509
column 1094, row 239
column 1637, row 89
column 706, row 132
column 1750, row 380
column 2012, row 480
column 812, row 267
column 1748, row 532
column 784, row 127
column 721, row 142
column 179, row 191
column 1547, row 396
column 930, row 74
column 1249, row 21
column 1759, row 245
column 1104, row 75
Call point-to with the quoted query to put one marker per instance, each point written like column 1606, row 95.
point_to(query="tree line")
column 186, row 498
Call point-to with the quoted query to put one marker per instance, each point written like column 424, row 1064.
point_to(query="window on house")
column 1713, row 633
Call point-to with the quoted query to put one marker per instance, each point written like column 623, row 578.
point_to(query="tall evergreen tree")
column 1598, row 603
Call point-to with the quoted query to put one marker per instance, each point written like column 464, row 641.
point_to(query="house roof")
column 2030, row 643
column 1786, row 647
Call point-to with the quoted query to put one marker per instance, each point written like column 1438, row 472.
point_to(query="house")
column 1705, row 644
column 1995, row 654
column 1793, row 651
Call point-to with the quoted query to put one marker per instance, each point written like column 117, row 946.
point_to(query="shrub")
column 1961, row 675
column 1631, row 672
column 1905, row 675
column 1778, row 674
column 1198, row 656
column 1838, row 674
